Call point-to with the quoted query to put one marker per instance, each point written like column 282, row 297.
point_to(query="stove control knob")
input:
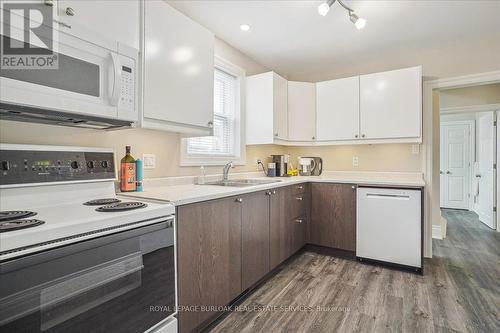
column 74, row 165
column 5, row 165
column 90, row 164
column 105, row 164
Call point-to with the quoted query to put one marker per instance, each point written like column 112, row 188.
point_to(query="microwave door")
column 80, row 84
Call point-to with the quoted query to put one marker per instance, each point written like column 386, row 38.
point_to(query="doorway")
column 468, row 157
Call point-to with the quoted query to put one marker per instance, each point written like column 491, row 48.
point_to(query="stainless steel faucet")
column 225, row 171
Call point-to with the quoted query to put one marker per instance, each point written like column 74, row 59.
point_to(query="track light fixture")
column 324, row 8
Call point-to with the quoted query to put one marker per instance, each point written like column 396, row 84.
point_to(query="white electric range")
column 73, row 252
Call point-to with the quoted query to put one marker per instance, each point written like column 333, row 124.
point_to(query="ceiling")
column 446, row 37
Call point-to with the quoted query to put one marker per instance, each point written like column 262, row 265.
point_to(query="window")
column 226, row 143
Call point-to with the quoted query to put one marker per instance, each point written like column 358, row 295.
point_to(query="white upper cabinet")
column 266, row 108
column 115, row 19
column 301, row 111
column 391, row 104
column 338, row 109
column 178, row 71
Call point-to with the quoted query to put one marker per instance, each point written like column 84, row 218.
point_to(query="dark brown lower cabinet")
column 277, row 220
column 209, row 257
column 255, row 237
column 333, row 216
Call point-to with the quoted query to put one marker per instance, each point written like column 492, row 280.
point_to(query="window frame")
column 239, row 156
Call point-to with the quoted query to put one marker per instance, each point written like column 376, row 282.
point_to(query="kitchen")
column 196, row 245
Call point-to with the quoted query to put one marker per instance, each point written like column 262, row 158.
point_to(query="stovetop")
column 55, row 195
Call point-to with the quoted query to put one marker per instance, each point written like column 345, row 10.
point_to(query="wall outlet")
column 355, row 161
column 149, row 161
column 415, row 149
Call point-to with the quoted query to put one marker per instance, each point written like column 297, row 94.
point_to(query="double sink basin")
column 242, row 182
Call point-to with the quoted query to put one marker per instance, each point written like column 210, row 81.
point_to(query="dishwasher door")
column 389, row 226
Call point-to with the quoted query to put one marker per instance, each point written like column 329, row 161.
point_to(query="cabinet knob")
column 362, row 135
column 49, row 3
column 240, row 200
column 299, row 198
column 353, row 187
column 448, row 172
column 300, row 187
column 268, row 192
column 274, row 191
column 356, row 136
column 275, row 134
column 314, row 138
column 70, row 11
column 441, row 172
column 299, row 220
column 210, row 124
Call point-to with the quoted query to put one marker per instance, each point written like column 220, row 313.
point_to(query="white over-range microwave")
column 94, row 84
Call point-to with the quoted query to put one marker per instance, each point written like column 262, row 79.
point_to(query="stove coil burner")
column 101, row 202
column 122, row 206
column 15, row 215
column 19, row 224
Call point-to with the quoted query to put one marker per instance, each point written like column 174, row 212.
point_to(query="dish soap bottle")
column 128, row 172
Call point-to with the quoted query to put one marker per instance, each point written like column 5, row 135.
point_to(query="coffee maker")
column 281, row 162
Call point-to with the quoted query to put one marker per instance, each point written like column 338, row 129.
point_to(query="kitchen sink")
column 242, row 182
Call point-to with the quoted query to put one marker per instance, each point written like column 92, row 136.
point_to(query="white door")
column 486, row 158
column 337, row 109
column 455, row 165
column 391, row 104
column 301, row 111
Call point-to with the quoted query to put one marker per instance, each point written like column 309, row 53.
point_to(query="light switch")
column 355, row 161
column 415, row 149
column 149, row 161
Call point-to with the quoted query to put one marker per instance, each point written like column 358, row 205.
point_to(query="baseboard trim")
column 436, row 232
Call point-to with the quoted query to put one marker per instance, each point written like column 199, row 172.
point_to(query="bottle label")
column 128, row 177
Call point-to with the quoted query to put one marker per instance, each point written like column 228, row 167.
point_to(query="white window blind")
column 223, row 140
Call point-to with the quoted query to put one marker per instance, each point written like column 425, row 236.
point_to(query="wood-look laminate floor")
column 460, row 291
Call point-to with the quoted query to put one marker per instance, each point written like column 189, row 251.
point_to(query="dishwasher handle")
column 388, row 196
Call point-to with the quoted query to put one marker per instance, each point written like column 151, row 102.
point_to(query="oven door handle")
column 117, row 79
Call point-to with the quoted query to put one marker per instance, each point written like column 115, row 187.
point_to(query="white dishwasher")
column 389, row 226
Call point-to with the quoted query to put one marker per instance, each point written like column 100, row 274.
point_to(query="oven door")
column 119, row 283
column 87, row 80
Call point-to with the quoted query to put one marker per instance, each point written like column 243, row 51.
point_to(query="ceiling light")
column 324, row 8
column 244, row 27
column 358, row 21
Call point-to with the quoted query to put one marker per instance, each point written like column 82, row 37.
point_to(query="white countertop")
column 182, row 191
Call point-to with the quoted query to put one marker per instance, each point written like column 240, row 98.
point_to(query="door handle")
column 117, row 78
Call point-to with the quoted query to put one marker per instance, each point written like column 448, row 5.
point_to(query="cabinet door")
column 391, row 104
column 280, row 89
column 337, row 109
column 115, row 19
column 178, row 67
column 209, row 257
column 277, row 220
column 255, row 238
column 259, row 109
column 333, row 216
column 301, row 111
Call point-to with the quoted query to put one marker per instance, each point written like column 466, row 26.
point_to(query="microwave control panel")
column 127, row 93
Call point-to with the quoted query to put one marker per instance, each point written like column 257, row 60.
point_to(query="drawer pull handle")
column 299, row 198
column 300, row 187
column 299, row 220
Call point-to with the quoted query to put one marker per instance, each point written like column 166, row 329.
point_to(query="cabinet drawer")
column 296, row 205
